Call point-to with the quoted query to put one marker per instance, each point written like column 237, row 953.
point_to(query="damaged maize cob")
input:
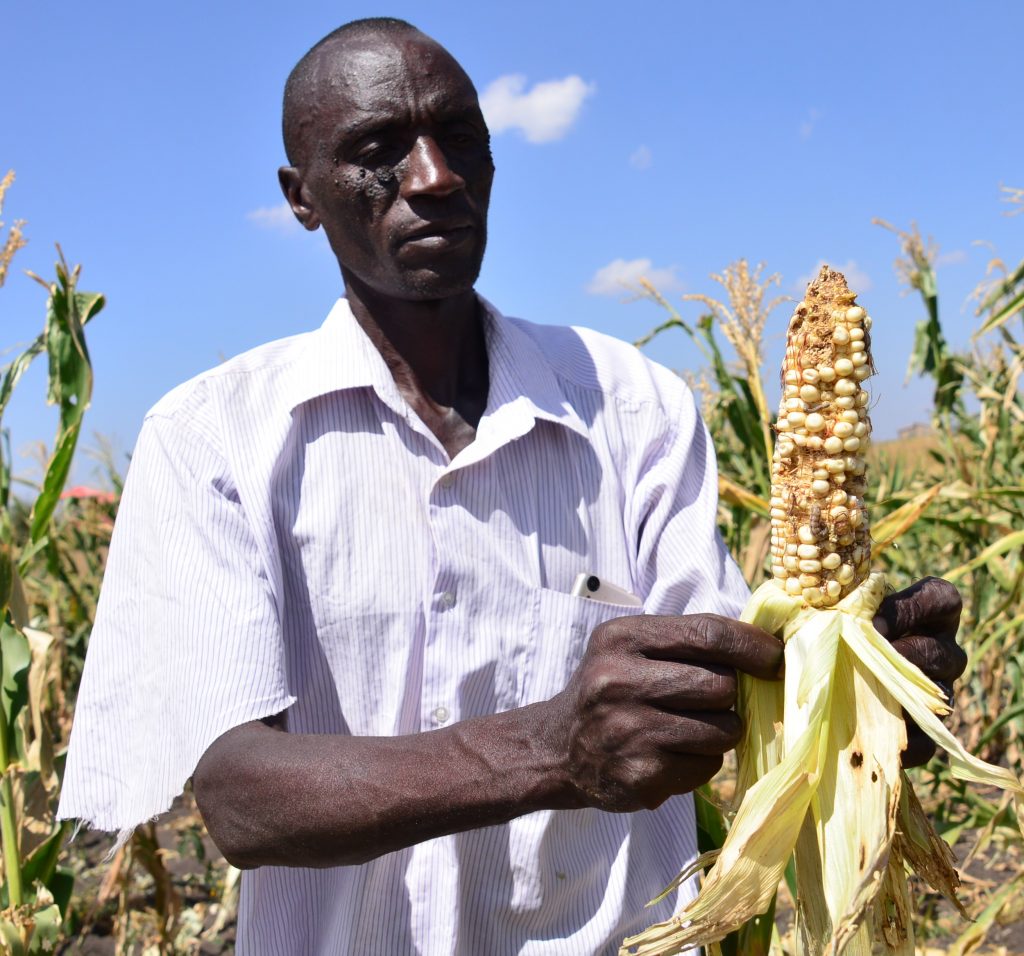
column 820, row 544
column 819, row 776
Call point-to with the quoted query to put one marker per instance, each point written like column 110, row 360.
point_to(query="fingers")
column 676, row 686
column 704, row 733
column 921, row 622
column 920, row 747
column 940, row 659
column 650, row 705
column 930, row 606
column 705, row 639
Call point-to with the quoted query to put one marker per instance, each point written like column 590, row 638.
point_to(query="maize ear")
column 819, row 774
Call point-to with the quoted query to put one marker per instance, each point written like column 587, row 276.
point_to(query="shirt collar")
column 339, row 356
column 523, row 386
column 522, row 381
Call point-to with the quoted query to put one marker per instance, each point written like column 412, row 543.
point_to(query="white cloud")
column 809, row 122
column 279, row 218
column 622, row 275
column 640, row 158
column 856, row 278
column 542, row 114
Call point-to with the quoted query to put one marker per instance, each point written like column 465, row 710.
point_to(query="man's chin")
column 432, row 284
column 434, row 288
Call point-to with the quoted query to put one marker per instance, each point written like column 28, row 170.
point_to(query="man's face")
column 397, row 166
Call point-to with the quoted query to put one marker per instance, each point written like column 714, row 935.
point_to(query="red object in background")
column 83, row 491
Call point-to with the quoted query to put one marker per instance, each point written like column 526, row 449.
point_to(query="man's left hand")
column 921, row 623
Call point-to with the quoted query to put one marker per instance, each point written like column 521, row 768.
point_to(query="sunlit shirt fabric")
column 293, row 538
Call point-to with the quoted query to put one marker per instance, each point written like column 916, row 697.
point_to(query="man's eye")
column 374, row 152
column 369, row 154
column 464, row 138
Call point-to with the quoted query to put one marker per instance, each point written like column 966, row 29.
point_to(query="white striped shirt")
column 293, row 538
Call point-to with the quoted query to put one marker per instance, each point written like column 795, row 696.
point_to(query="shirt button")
column 440, row 715
column 447, row 599
column 447, row 481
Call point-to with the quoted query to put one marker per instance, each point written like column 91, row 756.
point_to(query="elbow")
column 229, row 803
column 262, row 805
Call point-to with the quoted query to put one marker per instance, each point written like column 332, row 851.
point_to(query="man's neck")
column 437, row 354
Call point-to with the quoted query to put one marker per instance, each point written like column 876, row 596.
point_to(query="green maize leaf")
column 6, row 578
column 5, row 468
column 53, row 483
column 1005, row 717
column 754, row 938
column 16, row 369
column 47, row 931
column 41, row 864
column 979, row 650
column 10, row 939
column 711, row 828
column 1015, row 302
column 62, row 884
column 1012, row 541
column 1002, row 289
column 70, row 383
column 31, row 549
column 16, row 658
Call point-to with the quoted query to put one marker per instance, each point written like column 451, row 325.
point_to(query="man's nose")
column 427, row 171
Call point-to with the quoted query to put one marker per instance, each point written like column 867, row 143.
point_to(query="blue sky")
column 146, row 140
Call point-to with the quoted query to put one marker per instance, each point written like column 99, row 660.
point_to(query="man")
column 339, row 591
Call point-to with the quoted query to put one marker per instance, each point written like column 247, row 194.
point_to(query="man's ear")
column 298, row 197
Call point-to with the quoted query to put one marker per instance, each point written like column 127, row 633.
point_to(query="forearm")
column 275, row 798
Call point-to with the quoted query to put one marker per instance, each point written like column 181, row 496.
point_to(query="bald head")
column 318, row 68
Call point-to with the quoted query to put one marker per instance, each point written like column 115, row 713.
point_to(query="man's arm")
column 647, row 714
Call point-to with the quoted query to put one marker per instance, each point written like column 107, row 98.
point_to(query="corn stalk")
column 35, row 889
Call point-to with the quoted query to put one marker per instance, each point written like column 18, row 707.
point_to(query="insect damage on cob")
column 819, row 776
column 820, row 543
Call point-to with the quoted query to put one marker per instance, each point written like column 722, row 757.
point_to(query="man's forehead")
column 370, row 66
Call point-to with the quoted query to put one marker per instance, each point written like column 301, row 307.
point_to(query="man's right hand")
column 648, row 712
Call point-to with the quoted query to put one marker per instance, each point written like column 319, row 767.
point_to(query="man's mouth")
column 438, row 236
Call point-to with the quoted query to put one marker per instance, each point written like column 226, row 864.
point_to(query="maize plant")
column 819, row 776
column 35, row 890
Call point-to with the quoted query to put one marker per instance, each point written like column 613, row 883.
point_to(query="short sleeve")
column 187, row 640
column 683, row 564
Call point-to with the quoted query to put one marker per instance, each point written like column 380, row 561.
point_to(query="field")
column 947, row 501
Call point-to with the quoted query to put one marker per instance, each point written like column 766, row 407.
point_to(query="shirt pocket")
column 543, row 846
column 561, row 625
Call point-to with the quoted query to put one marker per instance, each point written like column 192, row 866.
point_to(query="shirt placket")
column 443, row 608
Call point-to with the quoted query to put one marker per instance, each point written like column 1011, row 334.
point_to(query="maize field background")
column 948, row 502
